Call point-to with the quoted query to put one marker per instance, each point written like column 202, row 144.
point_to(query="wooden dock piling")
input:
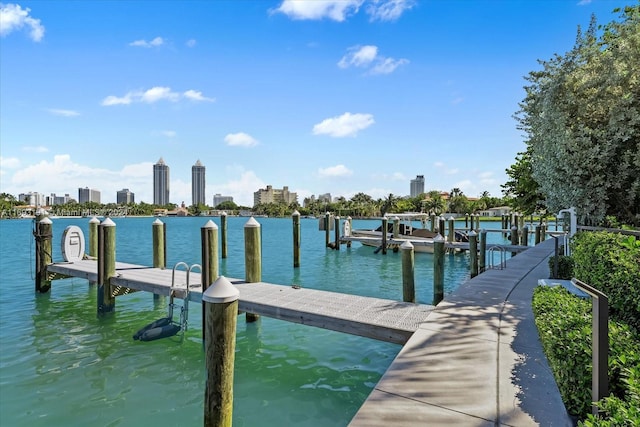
column 537, row 234
column 441, row 229
column 473, row 253
column 158, row 244
column 220, row 303
column 438, row 269
column 327, row 229
column 93, row 236
column 295, row 216
column 209, row 245
column 253, row 256
column 524, row 240
column 452, row 233
column 482, row 253
column 396, row 227
column 408, row 272
column 336, row 232
column 514, row 238
column 349, row 220
column 106, row 265
column 223, row 234
column 384, row 235
column 43, row 236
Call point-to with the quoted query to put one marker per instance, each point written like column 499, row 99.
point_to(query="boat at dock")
column 420, row 237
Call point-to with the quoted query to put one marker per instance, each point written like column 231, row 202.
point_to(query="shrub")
column 564, row 325
column 565, row 267
column 611, row 263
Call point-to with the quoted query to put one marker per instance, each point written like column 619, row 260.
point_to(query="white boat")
column 420, row 238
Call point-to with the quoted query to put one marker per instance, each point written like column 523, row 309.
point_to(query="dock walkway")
column 476, row 360
column 377, row 318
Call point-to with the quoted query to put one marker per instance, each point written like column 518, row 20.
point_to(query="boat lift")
column 167, row 327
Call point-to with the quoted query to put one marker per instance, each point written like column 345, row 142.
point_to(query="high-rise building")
column 273, row 195
column 417, row 186
column 124, row 197
column 160, row 183
column 88, row 195
column 219, row 198
column 197, row 184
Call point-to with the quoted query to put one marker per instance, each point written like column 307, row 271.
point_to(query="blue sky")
column 340, row 96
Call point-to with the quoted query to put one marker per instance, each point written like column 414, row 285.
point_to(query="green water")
column 62, row 365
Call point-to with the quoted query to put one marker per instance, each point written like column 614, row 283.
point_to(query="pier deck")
column 381, row 319
column 377, row 241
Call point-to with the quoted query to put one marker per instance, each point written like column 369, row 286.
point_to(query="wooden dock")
column 462, row 246
column 376, row 318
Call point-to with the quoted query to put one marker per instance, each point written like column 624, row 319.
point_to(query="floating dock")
column 376, row 318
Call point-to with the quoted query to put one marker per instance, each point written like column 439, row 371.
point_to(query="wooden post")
column 336, row 232
column 514, row 238
column 209, row 262
column 159, row 259
column 441, row 226
column 438, row 269
column 384, row 235
column 432, row 224
column 327, row 229
column 106, row 265
column 223, row 234
column 221, row 316
column 408, row 272
column 483, row 252
column 43, row 236
column 473, row 253
column 477, row 222
column 93, row 236
column 396, row 227
column 158, row 244
column 253, row 256
column 349, row 220
column 525, row 236
column 452, row 232
column 537, row 234
column 466, row 220
column 295, row 216
column 543, row 232
column 209, row 245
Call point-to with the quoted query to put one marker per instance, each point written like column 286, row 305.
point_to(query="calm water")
column 62, row 365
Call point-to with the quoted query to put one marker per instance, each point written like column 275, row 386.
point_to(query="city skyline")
column 341, row 96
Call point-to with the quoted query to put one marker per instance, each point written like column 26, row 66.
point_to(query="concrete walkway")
column 476, row 361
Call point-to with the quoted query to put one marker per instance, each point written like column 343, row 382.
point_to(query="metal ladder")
column 184, row 308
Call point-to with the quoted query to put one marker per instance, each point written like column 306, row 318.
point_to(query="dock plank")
column 381, row 319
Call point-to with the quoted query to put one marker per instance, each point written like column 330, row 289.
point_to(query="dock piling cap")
column 221, row 291
column 407, row 245
column 210, row 224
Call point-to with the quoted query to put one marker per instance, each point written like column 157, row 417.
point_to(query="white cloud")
column 334, row 171
column 158, row 41
column 155, row 94
column 337, row 10
column 340, row 10
column 195, row 95
column 36, row 149
column 388, row 10
column 387, row 65
column 358, row 56
column 13, row 18
column 240, row 139
column 240, row 188
column 9, row 162
column 367, row 56
column 63, row 113
column 191, row 43
column 169, row 133
column 345, row 125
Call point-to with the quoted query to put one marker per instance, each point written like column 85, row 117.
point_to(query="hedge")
column 611, row 263
column 564, row 325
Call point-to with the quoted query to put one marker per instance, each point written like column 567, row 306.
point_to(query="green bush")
column 564, row 325
column 565, row 267
column 611, row 263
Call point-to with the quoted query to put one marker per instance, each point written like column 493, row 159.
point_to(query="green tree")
column 434, row 203
column 521, row 188
column 581, row 116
